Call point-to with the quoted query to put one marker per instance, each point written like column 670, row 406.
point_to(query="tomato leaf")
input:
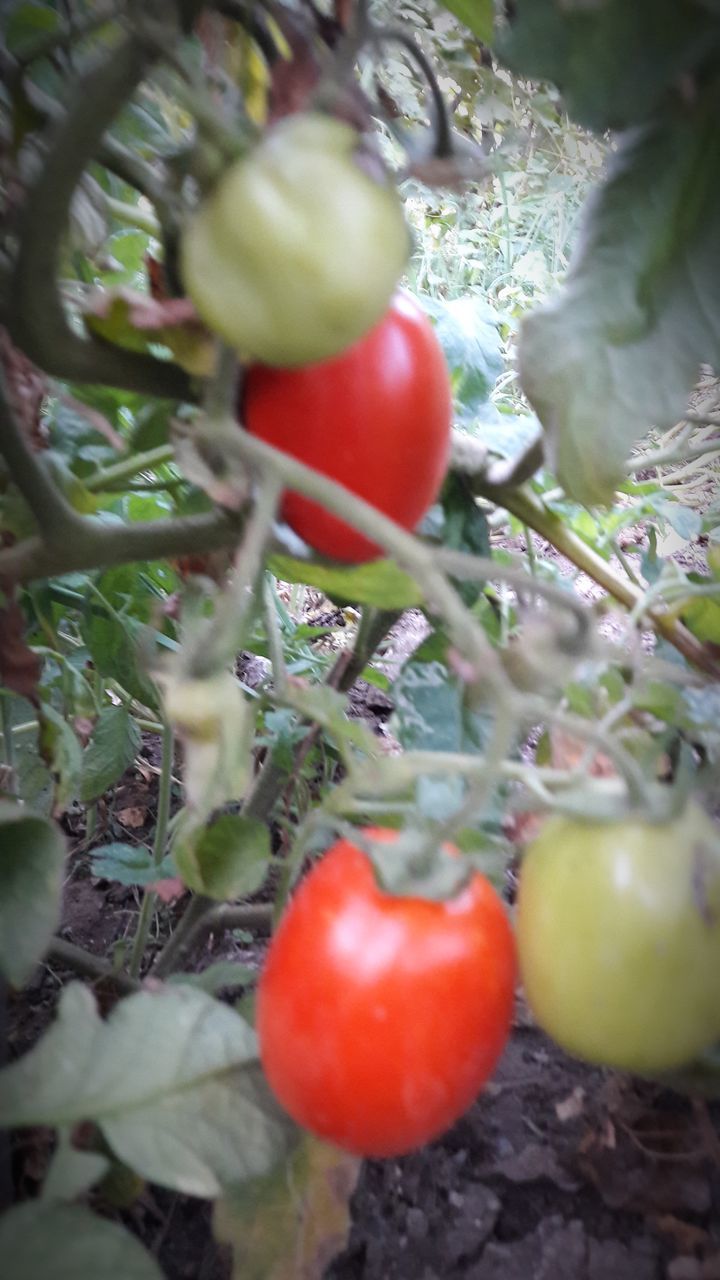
column 39, row 1240
column 478, row 15
column 381, row 583
column 467, row 329
column 129, row 864
column 32, row 854
column 62, row 752
column 149, row 1077
column 294, row 1221
column 112, row 749
column 618, row 348
column 228, row 859
column 616, row 63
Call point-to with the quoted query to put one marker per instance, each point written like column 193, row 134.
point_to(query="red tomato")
column 376, row 419
column 380, row 1017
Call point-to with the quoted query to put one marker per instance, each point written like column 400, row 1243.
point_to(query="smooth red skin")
column 377, row 419
column 381, row 1018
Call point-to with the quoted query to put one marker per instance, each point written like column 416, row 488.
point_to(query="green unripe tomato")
column 297, row 250
column 618, row 933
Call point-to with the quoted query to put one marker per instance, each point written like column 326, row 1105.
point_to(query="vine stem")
column 89, row 966
column 161, row 830
column 7, row 1190
column 532, row 512
column 127, row 468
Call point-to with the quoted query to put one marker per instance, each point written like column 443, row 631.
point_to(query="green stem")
column 52, row 513
column 95, row 545
column 128, row 467
column 89, row 966
column 131, row 215
column 163, row 815
column 550, row 526
column 37, row 320
column 7, row 733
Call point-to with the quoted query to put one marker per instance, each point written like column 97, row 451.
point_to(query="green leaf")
column 114, row 644
column 171, row 1078
column 381, row 583
column 468, row 332
column 130, row 864
column 702, row 616
column 618, row 349
column 27, row 24
column 615, row 62
column 478, row 15
column 222, row 976
column 228, row 859
column 62, row 752
column 40, row 1241
column 113, row 747
column 32, row 854
column 431, row 715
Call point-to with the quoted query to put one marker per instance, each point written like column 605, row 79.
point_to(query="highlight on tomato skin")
column 380, row 1018
column 376, row 418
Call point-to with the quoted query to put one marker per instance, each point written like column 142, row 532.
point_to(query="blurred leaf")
column 171, row 1078
column 28, row 23
column 381, row 583
column 113, row 747
column 618, row 349
column 32, row 855
column 478, row 15
column 62, row 753
column 293, row 1222
column 137, row 321
column 467, row 329
column 114, row 643
column 702, row 616
column 130, row 864
column 228, row 859
column 40, row 1241
column 616, row 63
column 224, row 975
column 464, row 528
column 72, row 1172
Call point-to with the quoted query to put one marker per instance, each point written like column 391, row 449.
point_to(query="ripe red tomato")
column 375, row 418
column 380, row 1017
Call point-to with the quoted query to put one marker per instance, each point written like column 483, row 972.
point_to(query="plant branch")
column 532, row 512
column 37, row 320
column 89, row 966
column 134, row 464
column 52, row 513
column 96, row 545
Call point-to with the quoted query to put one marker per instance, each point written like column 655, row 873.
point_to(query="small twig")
column 160, row 841
column 443, row 132
column 89, row 966
column 7, row 1190
column 52, row 513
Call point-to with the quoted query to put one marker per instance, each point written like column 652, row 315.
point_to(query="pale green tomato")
column 618, row 931
column 296, row 252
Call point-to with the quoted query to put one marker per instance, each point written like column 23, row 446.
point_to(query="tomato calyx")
column 415, row 866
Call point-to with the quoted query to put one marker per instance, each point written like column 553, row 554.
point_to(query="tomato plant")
column 381, row 1017
column 619, row 938
column 376, row 418
column 297, row 250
